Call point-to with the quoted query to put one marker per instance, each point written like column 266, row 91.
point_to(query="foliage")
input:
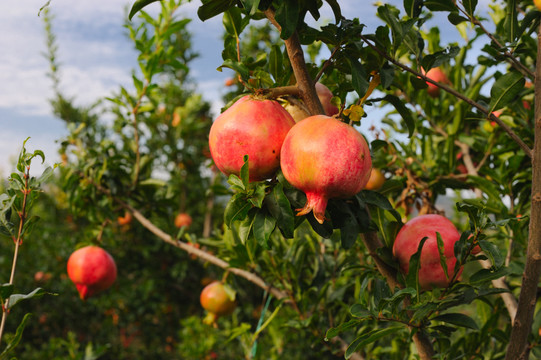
column 305, row 290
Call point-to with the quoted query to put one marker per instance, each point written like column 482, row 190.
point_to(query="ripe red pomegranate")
column 326, row 159
column 254, row 127
column 92, row 270
column 216, row 301
column 407, row 241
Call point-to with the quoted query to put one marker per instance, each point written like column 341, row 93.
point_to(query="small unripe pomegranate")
column 92, row 270
column 325, row 158
column 252, row 127
column 431, row 273
column 376, row 180
column 215, row 299
column 182, row 220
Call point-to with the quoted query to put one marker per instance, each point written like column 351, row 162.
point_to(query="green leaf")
column 412, row 278
column 458, row 320
column 138, row 5
column 153, row 183
column 212, row 8
column 368, row 338
column 251, row 5
column 239, row 67
column 275, row 62
column 245, row 172
column 440, row 5
column 492, row 252
column 287, row 15
column 358, row 76
column 279, row 207
column 469, row 6
column 505, row 90
column 237, row 208
column 5, row 291
column 332, row 332
column 17, row 337
column 264, row 225
column 16, row 298
column 485, row 275
column 360, row 311
column 404, row 112
column 441, row 251
column 375, row 198
column 413, row 7
column 232, row 21
column 511, row 21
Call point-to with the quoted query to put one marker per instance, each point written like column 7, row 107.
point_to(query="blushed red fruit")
column 183, row 219
column 92, row 270
column 325, row 158
column 325, row 95
column 431, row 273
column 437, row 75
column 216, row 300
column 252, row 127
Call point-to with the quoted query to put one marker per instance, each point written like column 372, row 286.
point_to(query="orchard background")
column 461, row 143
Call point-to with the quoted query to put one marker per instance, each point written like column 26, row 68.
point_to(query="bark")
column 305, row 83
column 518, row 343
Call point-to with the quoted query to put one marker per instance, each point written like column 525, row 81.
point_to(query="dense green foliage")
column 332, row 289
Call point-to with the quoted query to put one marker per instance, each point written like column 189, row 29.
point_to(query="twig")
column 457, row 94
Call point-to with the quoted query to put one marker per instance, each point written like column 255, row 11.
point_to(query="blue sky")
column 96, row 57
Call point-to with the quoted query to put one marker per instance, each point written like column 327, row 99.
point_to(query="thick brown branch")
column 518, row 342
column 296, row 57
column 457, row 94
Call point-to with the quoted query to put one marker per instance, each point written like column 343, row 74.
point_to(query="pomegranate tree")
column 431, row 272
column 325, row 158
column 254, row 127
column 92, row 270
column 215, row 299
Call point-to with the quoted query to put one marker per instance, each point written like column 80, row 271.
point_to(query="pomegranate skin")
column 92, row 270
column 407, row 241
column 250, row 127
column 325, row 158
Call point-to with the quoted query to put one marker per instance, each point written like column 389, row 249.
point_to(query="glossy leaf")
column 413, row 7
column 138, row 5
column 264, row 225
column 404, row 112
column 212, row 8
column 441, row 252
column 14, row 341
column 368, row 338
column 287, row 15
column 505, row 90
column 280, row 208
column 458, row 320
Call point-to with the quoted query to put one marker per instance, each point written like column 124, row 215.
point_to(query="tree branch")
column 457, row 94
column 296, row 57
column 518, row 342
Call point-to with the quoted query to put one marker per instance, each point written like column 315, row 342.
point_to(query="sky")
column 96, row 57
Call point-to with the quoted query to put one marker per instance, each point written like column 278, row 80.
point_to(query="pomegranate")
column 215, row 299
column 182, row 220
column 253, row 127
column 376, row 180
column 326, row 159
column 437, row 75
column 325, row 95
column 431, row 273
column 92, row 270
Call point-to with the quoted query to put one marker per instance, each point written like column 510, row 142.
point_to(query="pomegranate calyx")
column 315, row 203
